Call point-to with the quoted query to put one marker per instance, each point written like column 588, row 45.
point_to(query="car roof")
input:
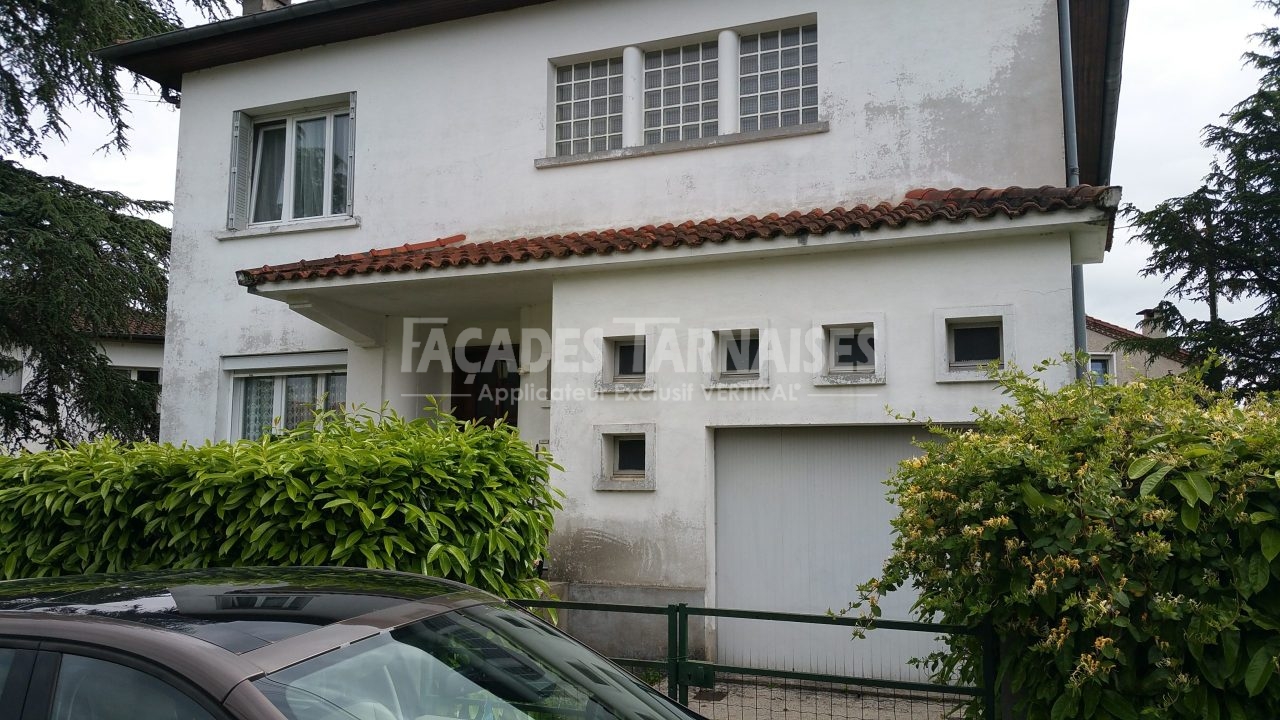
column 241, row 610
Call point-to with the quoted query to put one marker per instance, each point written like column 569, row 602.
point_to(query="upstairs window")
column 778, row 80
column 681, row 93
column 293, row 166
column 708, row 85
column 589, row 107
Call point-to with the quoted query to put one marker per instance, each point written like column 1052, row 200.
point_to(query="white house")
column 700, row 236
column 137, row 349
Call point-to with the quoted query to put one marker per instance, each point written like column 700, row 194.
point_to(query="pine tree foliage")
column 1221, row 243
column 47, row 63
column 76, row 264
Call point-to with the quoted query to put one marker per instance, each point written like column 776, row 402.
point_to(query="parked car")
column 296, row 644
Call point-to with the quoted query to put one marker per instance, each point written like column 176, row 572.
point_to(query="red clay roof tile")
column 1102, row 327
column 923, row 205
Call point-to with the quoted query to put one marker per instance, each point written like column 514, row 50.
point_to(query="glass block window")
column 778, row 78
column 681, row 91
column 589, row 107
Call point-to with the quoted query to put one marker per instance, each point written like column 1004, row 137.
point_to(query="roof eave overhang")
column 166, row 58
column 1088, row 229
column 1097, row 34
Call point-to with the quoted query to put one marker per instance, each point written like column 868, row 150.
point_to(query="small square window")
column 628, row 454
column 628, row 360
column 626, row 458
column 851, row 349
column 975, row 342
column 740, row 353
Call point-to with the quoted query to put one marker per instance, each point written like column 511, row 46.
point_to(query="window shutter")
column 351, row 155
column 241, row 171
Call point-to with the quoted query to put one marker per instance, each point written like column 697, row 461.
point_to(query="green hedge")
column 1123, row 541
column 444, row 498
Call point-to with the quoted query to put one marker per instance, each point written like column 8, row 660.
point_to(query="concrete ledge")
column 683, row 145
column 292, row 226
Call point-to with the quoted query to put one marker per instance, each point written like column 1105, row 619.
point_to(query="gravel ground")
column 805, row 701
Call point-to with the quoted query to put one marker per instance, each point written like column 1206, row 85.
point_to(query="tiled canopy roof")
column 920, row 206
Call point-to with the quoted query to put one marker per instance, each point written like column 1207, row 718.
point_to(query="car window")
column 6, row 664
column 91, row 689
column 476, row 663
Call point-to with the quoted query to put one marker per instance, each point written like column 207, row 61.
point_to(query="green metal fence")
column 683, row 672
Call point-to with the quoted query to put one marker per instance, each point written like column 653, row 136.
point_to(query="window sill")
column 848, row 379
column 625, row 483
column 963, row 375
column 625, row 388
column 683, row 145
column 291, row 226
column 751, row 382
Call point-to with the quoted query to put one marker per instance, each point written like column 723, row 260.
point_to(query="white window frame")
column 246, row 159
column 945, row 320
column 720, row 377
column 607, row 379
column 1110, row 374
column 831, row 375
column 729, row 112
column 290, row 125
column 278, row 401
column 133, row 372
column 608, row 478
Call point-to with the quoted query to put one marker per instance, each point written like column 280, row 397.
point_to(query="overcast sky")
column 1182, row 70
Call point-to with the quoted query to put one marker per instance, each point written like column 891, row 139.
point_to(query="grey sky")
column 1182, row 70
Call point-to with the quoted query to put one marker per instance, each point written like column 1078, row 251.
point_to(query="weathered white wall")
column 452, row 117
column 658, row 538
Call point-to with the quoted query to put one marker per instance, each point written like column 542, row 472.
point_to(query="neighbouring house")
column 136, row 349
column 1110, row 364
column 695, row 249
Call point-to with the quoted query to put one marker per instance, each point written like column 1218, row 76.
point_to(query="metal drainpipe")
column 1073, row 165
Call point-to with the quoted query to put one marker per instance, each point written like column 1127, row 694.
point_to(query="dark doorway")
column 485, row 383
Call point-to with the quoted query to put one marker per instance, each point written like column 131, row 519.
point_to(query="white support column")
column 729, row 119
column 632, row 97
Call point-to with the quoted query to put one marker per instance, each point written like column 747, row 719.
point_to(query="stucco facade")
column 455, row 128
column 447, row 144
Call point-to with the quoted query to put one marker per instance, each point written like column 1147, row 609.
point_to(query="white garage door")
column 801, row 519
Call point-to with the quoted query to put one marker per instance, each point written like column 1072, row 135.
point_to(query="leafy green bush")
column 451, row 499
column 1122, row 540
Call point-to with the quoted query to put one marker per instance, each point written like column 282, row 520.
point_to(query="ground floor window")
column 275, row 402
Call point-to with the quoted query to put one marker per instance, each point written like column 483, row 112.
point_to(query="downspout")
column 1073, row 166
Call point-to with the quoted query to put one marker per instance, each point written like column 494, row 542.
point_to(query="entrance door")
column 486, row 386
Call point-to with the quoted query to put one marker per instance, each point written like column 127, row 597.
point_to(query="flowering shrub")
column 1121, row 539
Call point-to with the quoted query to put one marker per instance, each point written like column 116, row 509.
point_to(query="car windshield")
column 483, row 662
